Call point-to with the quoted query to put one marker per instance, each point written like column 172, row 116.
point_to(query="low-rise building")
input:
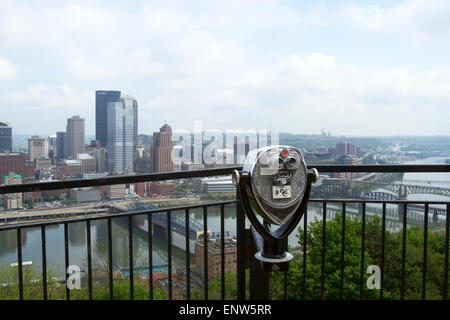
column 116, row 191
column 70, row 168
column 12, row 200
column 89, row 194
column 43, row 163
column 162, row 188
column 88, row 162
column 214, row 184
column 214, row 255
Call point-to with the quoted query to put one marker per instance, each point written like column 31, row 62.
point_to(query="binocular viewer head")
column 275, row 183
column 277, row 179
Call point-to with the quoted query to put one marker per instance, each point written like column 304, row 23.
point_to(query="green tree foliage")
column 332, row 267
column 215, row 288
column 372, row 256
column 32, row 279
column 183, row 187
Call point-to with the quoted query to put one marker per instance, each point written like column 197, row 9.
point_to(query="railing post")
column 241, row 248
column 259, row 279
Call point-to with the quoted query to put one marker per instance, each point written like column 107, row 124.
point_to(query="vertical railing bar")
column 241, row 248
column 44, row 262
column 402, row 289
column 110, row 260
column 130, row 255
column 188, row 258
column 305, row 230
column 341, row 290
column 19, row 262
column 205, row 252
column 363, row 249
column 445, row 296
column 324, row 227
column 285, row 285
column 89, row 257
column 222, row 251
column 425, row 243
column 169, row 251
column 66, row 257
column 383, row 244
column 150, row 254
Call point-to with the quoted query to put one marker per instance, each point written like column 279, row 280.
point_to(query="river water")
column 31, row 238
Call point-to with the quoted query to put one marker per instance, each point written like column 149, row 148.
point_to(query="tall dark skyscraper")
column 101, row 113
column 60, row 137
column 5, row 137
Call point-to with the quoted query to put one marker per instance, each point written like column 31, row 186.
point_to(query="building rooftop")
column 84, row 156
column 15, row 176
column 143, row 269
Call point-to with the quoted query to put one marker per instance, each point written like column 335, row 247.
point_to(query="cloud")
column 7, row 69
column 231, row 64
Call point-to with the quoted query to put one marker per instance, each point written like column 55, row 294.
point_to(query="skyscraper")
column 131, row 103
column 37, row 148
column 75, row 136
column 162, row 150
column 120, row 137
column 60, row 137
column 5, row 138
column 102, row 98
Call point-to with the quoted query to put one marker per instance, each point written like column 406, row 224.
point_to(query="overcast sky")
column 351, row 67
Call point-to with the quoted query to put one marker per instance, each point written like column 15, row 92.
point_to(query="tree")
column 32, row 283
column 372, row 256
column 30, row 203
column 332, row 266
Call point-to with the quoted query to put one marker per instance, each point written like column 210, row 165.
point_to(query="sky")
column 355, row 68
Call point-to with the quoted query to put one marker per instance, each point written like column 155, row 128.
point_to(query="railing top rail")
column 79, row 183
column 378, row 201
column 67, row 184
column 110, row 215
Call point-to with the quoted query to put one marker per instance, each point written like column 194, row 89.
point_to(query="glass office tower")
column 102, row 98
column 120, row 133
column 5, row 138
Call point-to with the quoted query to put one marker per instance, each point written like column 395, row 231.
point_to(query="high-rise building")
column 37, row 148
column 346, row 148
column 341, row 148
column 102, row 98
column 5, row 138
column 120, row 142
column 60, row 138
column 75, row 136
column 162, row 150
column 52, row 149
column 131, row 103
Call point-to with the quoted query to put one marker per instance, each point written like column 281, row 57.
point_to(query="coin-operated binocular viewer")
column 274, row 188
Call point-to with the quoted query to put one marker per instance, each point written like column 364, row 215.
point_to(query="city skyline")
column 354, row 68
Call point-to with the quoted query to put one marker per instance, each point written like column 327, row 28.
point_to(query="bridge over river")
column 332, row 187
column 394, row 218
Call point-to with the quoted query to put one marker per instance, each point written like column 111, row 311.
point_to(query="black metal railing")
column 244, row 258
